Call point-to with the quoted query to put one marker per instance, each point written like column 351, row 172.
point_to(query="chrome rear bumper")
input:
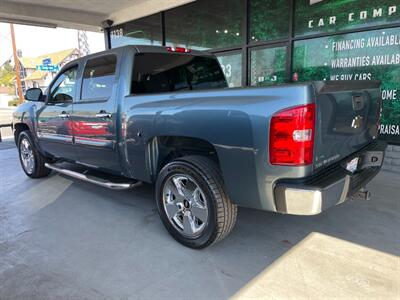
column 311, row 196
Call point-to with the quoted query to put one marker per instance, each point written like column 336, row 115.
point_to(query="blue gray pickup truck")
column 164, row 115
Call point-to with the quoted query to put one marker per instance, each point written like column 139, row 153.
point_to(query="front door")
column 95, row 115
column 54, row 129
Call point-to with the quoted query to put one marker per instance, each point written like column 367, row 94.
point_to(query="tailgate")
column 347, row 118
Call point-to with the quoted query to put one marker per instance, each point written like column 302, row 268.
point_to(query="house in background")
column 6, row 95
column 39, row 71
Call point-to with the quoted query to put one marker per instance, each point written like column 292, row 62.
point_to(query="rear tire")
column 192, row 202
column 32, row 161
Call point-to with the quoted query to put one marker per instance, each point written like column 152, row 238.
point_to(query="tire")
column 207, row 209
column 27, row 149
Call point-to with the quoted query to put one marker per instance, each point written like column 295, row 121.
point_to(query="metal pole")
column 16, row 63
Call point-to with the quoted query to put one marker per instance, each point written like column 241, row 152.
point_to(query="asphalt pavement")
column 65, row 239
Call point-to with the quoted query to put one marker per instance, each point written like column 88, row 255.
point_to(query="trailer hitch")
column 361, row 194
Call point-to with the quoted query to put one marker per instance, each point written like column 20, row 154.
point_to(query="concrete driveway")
column 64, row 239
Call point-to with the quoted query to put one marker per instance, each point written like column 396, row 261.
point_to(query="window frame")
column 233, row 52
column 99, row 99
column 263, row 47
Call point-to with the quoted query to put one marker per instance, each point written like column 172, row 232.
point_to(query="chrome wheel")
column 27, row 156
column 185, row 205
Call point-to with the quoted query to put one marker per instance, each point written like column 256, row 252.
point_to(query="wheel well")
column 164, row 149
column 18, row 128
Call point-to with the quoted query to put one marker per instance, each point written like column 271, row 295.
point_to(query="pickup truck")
column 164, row 115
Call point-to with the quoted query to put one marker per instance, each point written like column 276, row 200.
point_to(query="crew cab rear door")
column 95, row 113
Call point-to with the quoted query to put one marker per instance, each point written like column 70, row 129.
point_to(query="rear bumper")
column 332, row 186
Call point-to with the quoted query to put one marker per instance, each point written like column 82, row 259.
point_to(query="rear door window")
column 160, row 73
column 98, row 78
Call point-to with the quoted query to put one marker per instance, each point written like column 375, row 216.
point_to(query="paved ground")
column 64, row 239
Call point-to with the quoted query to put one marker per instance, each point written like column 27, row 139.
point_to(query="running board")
column 95, row 180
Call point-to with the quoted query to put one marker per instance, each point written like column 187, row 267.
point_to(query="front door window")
column 63, row 90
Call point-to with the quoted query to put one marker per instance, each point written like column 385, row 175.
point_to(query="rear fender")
column 231, row 135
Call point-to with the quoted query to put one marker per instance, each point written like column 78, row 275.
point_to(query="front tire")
column 192, row 202
column 32, row 161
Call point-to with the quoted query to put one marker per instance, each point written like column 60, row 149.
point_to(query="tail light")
column 292, row 136
column 178, row 49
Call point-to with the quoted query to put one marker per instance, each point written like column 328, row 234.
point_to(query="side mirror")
column 34, row 94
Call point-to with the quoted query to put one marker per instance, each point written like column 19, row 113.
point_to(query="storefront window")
column 321, row 50
column 321, row 16
column 268, row 66
column 372, row 55
column 145, row 31
column 232, row 66
column 269, row 20
column 205, row 24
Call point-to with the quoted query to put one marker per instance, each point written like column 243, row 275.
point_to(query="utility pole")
column 16, row 63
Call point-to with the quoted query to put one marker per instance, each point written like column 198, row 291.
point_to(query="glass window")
column 144, row 31
column 63, row 90
column 158, row 73
column 371, row 55
column 321, row 16
column 268, row 66
column 269, row 20
column 98, row 77
column 205, row 24
column 231, row 64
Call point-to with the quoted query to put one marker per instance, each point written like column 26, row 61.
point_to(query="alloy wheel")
column 185, row 205
column 27, row 156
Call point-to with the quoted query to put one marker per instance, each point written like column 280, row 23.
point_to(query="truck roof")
column 142, row 49
column 164, row 49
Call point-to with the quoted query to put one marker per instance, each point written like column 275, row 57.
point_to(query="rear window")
column 160, row 73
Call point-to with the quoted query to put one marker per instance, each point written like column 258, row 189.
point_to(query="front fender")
column 26, row 114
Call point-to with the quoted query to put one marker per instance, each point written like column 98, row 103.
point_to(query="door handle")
column 103, row 115
column 64, row 115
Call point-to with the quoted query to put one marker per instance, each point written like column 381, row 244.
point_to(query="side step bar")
column 95, row 180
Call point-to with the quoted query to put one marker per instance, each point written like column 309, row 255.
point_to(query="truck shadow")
column 114, row 242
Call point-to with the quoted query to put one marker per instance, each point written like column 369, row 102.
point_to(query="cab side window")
column 98, row 78
column 63, row 89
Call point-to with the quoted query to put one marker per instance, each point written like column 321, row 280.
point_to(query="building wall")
column 266, row 42
column 392, row 159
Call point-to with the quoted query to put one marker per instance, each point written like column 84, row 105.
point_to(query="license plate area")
column 368, row 159
column 352, row 165
column 371, row 159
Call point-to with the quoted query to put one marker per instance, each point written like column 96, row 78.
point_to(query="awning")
column 80, row 14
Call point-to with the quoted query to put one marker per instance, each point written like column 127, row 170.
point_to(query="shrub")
column 13, row 102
